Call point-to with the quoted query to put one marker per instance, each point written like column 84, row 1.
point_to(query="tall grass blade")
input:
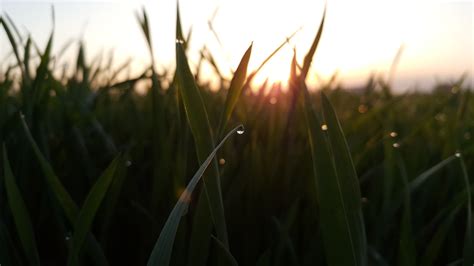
column 88, row 211
column 162, row 250
column 342, row 224
column 20, row 213
column 12, row 43
column 309, row 56
column 406, row 248
column 347, row 184
column 235, row 90
column 203, row 137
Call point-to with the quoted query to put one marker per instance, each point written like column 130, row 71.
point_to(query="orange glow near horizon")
column 359, row 38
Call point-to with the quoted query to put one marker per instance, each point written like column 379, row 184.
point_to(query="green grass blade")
column 406, row 248
column 12, row 42
column 62, row 196
column 337, row 187
column 91, row 205
column 64, row 199
column 434, row 246
column 228, row 258
column 309, row 56
column 347, row 183
column 235, row 90
column 161, row 253
column 201, row 129
column 20, row 214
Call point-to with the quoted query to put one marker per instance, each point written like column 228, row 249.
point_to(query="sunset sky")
column 360, row 37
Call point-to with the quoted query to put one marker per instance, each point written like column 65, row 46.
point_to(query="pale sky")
column 360, row 37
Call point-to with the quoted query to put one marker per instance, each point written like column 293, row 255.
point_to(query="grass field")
column 94, row 173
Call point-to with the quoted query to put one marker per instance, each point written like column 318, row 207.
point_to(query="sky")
column 360, row 38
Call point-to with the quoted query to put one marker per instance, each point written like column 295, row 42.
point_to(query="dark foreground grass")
column 94, row 173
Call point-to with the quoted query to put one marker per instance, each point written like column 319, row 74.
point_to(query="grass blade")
column 20, row 213
column 348, row 183
column 309, row 56
column 161, row 253
column 62, row 196
column 88, row 211
column 201, row 129
column 468, row 252
column 235, row 90
column 337, row 188
column 229, row 259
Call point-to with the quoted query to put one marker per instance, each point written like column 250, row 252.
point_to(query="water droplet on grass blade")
column 240, row 130
column 221, row 161
column 179, row 41
column 457, row 154
column 324, row 127
column 128, row 163
column 396, row 145
column 393, row 134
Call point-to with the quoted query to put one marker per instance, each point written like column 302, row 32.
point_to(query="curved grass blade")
column 162, row 250
column 63, row 197
column 309, row 56
column 201, row 129
column 229, row 259
column 88, row 211
column 20, row 213
column 13, row 44
column 235, row 90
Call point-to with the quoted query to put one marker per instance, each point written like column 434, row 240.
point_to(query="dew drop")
column 128, row 163
column 457, row 154
column 364, row 200
column 221, row 161
column 179, row 41
column 396, row 145
column 324, row 127
column 68, row 236
column 393, row 134
column 240, row 130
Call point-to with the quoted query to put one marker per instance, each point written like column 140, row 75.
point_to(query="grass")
column 94, row 173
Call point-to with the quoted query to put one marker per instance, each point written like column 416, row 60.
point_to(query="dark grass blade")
column 161, row 253
column 91, row 205
column 13, row 43
column 468, row 252
column 309, row 56
column 347, row 183
column 20, row 214
column 235, row 90
column 342, row 224
column 63, row 198
column 228, row 258
column 406, row 248
column 203, row 138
